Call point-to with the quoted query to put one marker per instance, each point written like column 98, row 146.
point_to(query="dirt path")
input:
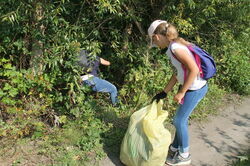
column 216, row 142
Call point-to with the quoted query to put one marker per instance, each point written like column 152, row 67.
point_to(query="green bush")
column 40, row 80
column 233, row 63
column 243, row 160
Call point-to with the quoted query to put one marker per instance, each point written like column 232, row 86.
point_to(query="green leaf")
column 7, row 86
column 2, row 93
column 8, row 66
column 13, row 92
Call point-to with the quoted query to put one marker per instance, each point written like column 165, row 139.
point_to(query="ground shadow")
column 112, row 138
column 228, row 144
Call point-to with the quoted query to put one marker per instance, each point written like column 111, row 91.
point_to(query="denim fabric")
column 191, row 99
column 100, row 85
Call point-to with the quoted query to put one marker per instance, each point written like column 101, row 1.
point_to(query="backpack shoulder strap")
column 170, row 48
column 173, row 53
column 193, row 49
column 182, row 65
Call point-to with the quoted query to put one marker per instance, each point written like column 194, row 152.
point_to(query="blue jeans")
column 100, row 85
column 191, row 99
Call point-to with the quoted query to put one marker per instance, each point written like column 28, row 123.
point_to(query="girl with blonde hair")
column 192, row 87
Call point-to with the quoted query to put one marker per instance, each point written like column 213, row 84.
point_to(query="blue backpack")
column 204, row 61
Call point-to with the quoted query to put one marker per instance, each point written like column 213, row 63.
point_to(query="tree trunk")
column 126, row 33
column 36, row 61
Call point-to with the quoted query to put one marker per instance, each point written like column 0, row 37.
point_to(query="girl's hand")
column 178, row 97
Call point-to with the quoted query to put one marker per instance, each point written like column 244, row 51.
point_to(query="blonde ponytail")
column 171, row 33
column 182, row 41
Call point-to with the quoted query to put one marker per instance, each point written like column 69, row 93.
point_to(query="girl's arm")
column 170, row 84
column 193, row 70
column 104, row 62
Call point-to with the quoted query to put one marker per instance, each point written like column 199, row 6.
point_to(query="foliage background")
column 39, row 76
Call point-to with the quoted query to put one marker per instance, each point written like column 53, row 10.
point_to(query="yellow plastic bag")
column 146, row 141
